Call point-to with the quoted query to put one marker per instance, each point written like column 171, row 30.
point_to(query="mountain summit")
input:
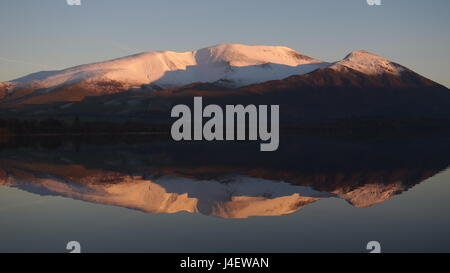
column 370, row 64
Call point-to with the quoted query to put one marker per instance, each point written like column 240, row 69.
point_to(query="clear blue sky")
column 49, row 34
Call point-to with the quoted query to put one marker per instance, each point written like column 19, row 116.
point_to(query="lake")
column 146, row 193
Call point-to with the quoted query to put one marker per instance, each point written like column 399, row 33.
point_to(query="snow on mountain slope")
column 232, row 63
column 369, row 64
column 245, row 55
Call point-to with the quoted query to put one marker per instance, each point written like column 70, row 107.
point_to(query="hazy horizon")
column 50, row 35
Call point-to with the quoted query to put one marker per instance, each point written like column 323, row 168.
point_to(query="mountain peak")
column 245, row 47
column 245, row 55
column 369, row 63
column 360, row 53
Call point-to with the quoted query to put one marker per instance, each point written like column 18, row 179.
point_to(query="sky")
column 50, row 34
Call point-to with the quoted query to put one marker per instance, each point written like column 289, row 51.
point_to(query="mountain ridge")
column 227, row 65
column 360, row 86
column 150, row 67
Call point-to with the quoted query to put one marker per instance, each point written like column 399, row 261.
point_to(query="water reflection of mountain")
column 229, row 181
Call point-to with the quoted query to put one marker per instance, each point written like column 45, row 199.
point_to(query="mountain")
column 359, row 69
column 144, row 87
column 362, row 86
column 232, row 65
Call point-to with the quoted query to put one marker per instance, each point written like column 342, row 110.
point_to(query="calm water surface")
column 151, row 195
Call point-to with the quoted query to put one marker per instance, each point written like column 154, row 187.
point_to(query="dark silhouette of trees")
column 77, row 126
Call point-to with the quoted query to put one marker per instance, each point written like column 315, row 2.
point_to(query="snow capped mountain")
column 369, row 64
column 241, row 67
column 359, row 69
column 235, row 64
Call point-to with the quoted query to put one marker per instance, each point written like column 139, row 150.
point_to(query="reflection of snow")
column 236, row 186
column 240, row 197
